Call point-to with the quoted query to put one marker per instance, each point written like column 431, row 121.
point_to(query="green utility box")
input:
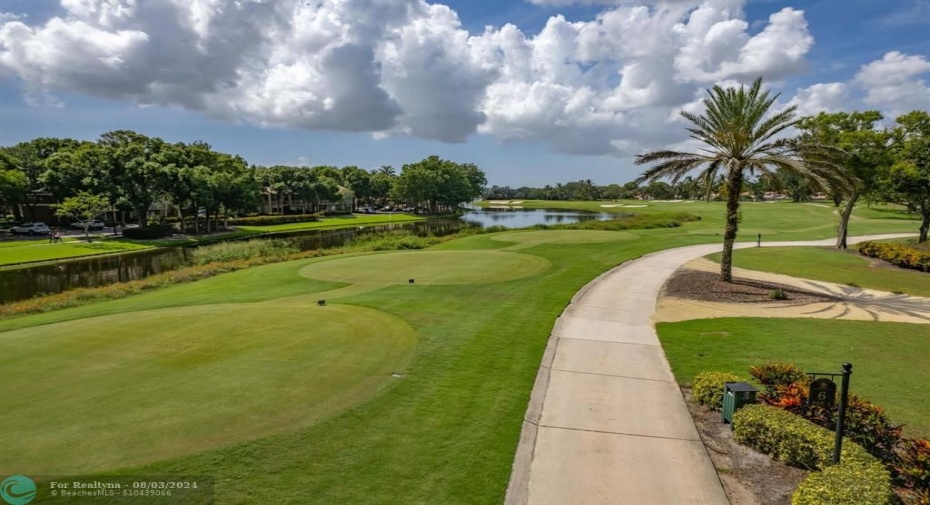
column 735, row 395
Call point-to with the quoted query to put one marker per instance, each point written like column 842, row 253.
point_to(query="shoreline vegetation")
column 223, row 257
column 10, row 252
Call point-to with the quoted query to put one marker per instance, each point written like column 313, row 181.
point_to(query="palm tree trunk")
column 842, row 229
column 734, row 184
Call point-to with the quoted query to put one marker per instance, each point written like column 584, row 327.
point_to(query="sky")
column 534, row 92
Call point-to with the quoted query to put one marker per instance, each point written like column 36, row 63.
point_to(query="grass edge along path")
column 447, row 431
column 888, row 358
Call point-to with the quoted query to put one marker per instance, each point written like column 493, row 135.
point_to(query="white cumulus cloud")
column 606, row 85
column 893, row 83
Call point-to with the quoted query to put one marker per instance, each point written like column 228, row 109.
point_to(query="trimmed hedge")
column 707, row 388
column 844, row 485
column 897, row 254
column 858, row 479
column 269, row 220
column 150, row 232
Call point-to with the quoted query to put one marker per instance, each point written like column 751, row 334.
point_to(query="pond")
column 511, row 217
column 27, row 282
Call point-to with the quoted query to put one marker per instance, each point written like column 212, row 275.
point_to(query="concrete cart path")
column 606, row 422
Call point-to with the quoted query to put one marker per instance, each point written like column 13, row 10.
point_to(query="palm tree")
column 739, row 142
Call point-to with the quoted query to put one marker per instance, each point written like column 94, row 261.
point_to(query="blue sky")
column 545, row 104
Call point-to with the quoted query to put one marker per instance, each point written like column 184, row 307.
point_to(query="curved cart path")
column 606, row 422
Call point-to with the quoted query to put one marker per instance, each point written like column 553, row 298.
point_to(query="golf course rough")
column 428, row 267
column 163, row 383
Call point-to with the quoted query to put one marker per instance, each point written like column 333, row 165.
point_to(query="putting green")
column 428, row 267
column 113, row 391
column 526, row 239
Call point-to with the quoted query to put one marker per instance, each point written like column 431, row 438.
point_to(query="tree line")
column 850, row 155
column 133, row 172
column 860, row 159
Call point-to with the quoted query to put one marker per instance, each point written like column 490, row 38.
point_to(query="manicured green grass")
column 429, row 267
column 524, row 239
column 30, row 251
column 337, row 222
column 120, row 390
column 828, row 264
column 444, row 433
column 774, row 220
column 889, row 359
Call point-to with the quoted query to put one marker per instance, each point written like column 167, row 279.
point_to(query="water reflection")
column 33, row 281
column 522, row 218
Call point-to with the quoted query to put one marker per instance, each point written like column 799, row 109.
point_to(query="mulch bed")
column 748, row 477
column 707, row 286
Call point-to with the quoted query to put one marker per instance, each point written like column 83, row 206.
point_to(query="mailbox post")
column 841, row 418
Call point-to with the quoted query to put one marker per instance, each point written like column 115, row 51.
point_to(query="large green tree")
column 137, row 165
column 438, row 184
column 84, row 207
column 907, row 181
column 739, row 133
column 31, row 159
column 859, row 151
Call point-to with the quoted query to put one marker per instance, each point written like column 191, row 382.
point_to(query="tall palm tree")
column 740, row 141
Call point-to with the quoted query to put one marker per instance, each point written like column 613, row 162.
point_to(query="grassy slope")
column 41, row 250
column 31, row 251
column 827, row 264
column 336, row 222
column 168, row 382
column 447, row 431
column 889, row 359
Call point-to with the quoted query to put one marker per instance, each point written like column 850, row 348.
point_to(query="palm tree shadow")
column 875, row 304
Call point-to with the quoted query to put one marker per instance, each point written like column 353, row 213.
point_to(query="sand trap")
column 853, row 304
column 637, row 206
column 613, row 205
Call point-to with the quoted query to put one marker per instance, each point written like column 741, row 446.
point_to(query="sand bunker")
column 847, row 302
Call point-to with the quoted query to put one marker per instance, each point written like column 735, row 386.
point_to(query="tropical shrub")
column 867, row 424
column 232, row 251
column 707, row 388
column 791, row 439
column 912, row 469
column 778, row 294
column 897, row 254
column 773, row 375
column 858, row 479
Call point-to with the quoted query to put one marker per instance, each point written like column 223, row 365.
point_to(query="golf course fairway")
column 429, row 267
column 125, row 389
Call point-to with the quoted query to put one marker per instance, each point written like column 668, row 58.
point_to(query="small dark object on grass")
column 778, row 294
column 410, row 281
column 321, row 302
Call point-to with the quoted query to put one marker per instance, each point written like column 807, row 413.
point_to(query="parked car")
column 94, row 224
column 31, row 229
column 367, row 210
